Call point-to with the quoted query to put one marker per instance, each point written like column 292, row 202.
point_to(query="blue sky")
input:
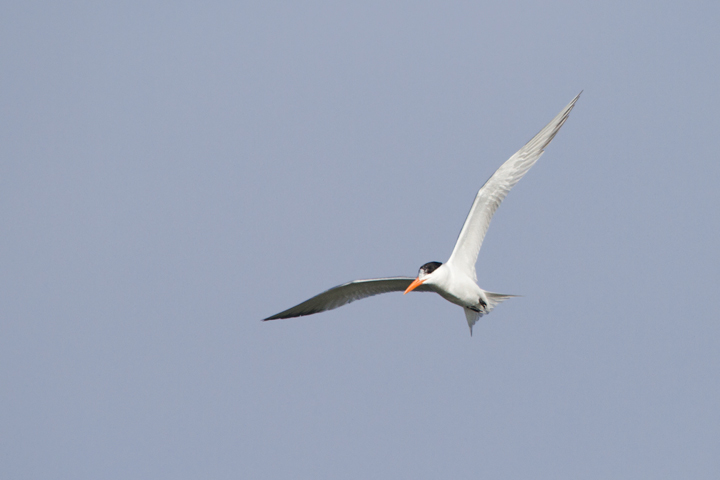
column 174, row 172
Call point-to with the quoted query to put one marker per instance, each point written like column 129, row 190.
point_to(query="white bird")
column 455, row 280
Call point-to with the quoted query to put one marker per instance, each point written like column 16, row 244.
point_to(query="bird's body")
column 455, row 280
column 458, row 288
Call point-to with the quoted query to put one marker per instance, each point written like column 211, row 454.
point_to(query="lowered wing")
column 348, row 292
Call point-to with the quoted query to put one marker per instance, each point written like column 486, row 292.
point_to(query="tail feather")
column 472, row 317
column 494, row 299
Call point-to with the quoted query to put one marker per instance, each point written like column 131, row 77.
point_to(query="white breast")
column 456, row 286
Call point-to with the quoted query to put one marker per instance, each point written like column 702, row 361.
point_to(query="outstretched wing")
column 490, row 195
column 348, row 292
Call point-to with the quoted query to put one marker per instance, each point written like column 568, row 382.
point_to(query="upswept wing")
column 490, row 195
column 349, row 292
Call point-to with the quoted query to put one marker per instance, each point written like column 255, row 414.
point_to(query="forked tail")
column 494, row 299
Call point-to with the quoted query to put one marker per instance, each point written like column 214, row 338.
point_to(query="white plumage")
column 455, row 280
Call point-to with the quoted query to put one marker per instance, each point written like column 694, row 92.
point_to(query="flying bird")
column 454, row 280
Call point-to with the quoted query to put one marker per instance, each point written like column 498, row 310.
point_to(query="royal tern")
column 455, row 280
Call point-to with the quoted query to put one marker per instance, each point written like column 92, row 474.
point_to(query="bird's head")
column 424, row 274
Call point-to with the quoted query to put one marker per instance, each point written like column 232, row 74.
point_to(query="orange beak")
column 416, row 283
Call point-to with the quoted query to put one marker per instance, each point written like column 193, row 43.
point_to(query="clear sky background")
column 172, row 173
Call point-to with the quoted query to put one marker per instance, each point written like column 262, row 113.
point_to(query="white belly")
column 460, row 289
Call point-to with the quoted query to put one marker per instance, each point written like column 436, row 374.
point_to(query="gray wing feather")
column 348, row 292
column 491, row 194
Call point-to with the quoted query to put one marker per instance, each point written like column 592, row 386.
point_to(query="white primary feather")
column 488, row 199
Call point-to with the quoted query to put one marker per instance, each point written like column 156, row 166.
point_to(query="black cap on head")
column 430, row 267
